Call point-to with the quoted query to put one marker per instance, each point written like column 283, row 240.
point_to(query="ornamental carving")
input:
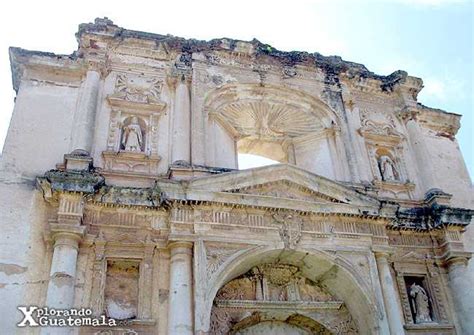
column 278, row 292
column 216, row 256
column 378, row 124
column 138, row 89
column 274, row 282
column 290, row 229
column 132, row 144
column 285, row 189
column 270, row 121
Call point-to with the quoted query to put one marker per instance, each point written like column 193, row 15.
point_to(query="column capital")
column 65, row 234
column 454, row 259
column 179, row 247
column 382, row 252
column 408, row 114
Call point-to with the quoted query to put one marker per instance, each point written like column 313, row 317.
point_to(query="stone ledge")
column 428, row 327
column 296, row 305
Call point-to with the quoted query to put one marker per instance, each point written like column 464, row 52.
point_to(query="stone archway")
column 342, row 299
column 279, row 123
column 278, row 293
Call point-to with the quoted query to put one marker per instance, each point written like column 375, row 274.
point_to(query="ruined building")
column 120, row 192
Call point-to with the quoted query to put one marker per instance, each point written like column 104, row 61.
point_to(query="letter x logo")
column 28, row 317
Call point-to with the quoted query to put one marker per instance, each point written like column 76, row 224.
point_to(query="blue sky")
column 431, row 39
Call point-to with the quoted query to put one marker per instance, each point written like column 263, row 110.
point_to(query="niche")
column 121, row 289
column 387, row 167
column 133, row 135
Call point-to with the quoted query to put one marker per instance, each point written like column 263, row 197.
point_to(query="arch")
column 331, row 272
column 276, row 122
column 247, row 93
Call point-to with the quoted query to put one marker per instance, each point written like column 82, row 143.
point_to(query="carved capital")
column 408, row 114
column 382, row 253
column 181, row 247
column 65, row 234
column 456, row 259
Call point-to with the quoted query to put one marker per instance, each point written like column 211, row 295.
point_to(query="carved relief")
column 137, row 89
column 346, row 327
column 104, row 217
column 277, row 291
column 216, row 256
column 290, row 229
column 273, row 282
column 132, row 143
column 285, row 189
column 421, row 293
column 238, row 289
column 267, row 121
column 385, row 148
column 378, row 124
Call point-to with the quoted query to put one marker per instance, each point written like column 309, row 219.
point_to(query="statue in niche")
column 387, row 168
column 420, row 304
column 132, row 138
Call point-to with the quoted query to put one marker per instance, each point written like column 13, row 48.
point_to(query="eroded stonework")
column 120, row 192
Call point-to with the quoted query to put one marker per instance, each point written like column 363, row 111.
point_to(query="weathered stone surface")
column 140, row 211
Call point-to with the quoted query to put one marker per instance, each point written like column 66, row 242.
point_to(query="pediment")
column 283, row 181
column 287, row 190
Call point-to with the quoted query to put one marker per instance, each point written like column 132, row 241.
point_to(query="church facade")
column 121, row 193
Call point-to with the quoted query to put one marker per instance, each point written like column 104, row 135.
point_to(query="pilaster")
column 389, row 293
column 180, row 319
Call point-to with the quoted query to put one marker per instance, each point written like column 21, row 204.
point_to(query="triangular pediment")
column 283, row 181
column 285, row 189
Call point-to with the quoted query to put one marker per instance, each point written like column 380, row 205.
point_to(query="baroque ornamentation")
column 277, row 291
column 268, row 120
column 285, row 189
column 290, row 229
column 378, row 123
column 138, row 89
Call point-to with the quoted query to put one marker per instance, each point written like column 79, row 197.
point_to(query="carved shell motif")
column 269, row 120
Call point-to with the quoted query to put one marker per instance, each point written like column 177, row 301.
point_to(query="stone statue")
column 132, row 138
column 387, row 168
column 420, row 304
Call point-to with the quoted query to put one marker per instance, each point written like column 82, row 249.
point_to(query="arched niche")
column 279, row 123
column 388, row 169
column 334, row 275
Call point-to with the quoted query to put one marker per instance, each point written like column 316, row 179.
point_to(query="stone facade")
column 120, row 192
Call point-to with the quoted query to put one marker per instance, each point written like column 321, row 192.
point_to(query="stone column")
column 180, row 317
column 63, row 267
column 389, row 293
column 181, row 145
column 460, row 283
column 84, row 117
